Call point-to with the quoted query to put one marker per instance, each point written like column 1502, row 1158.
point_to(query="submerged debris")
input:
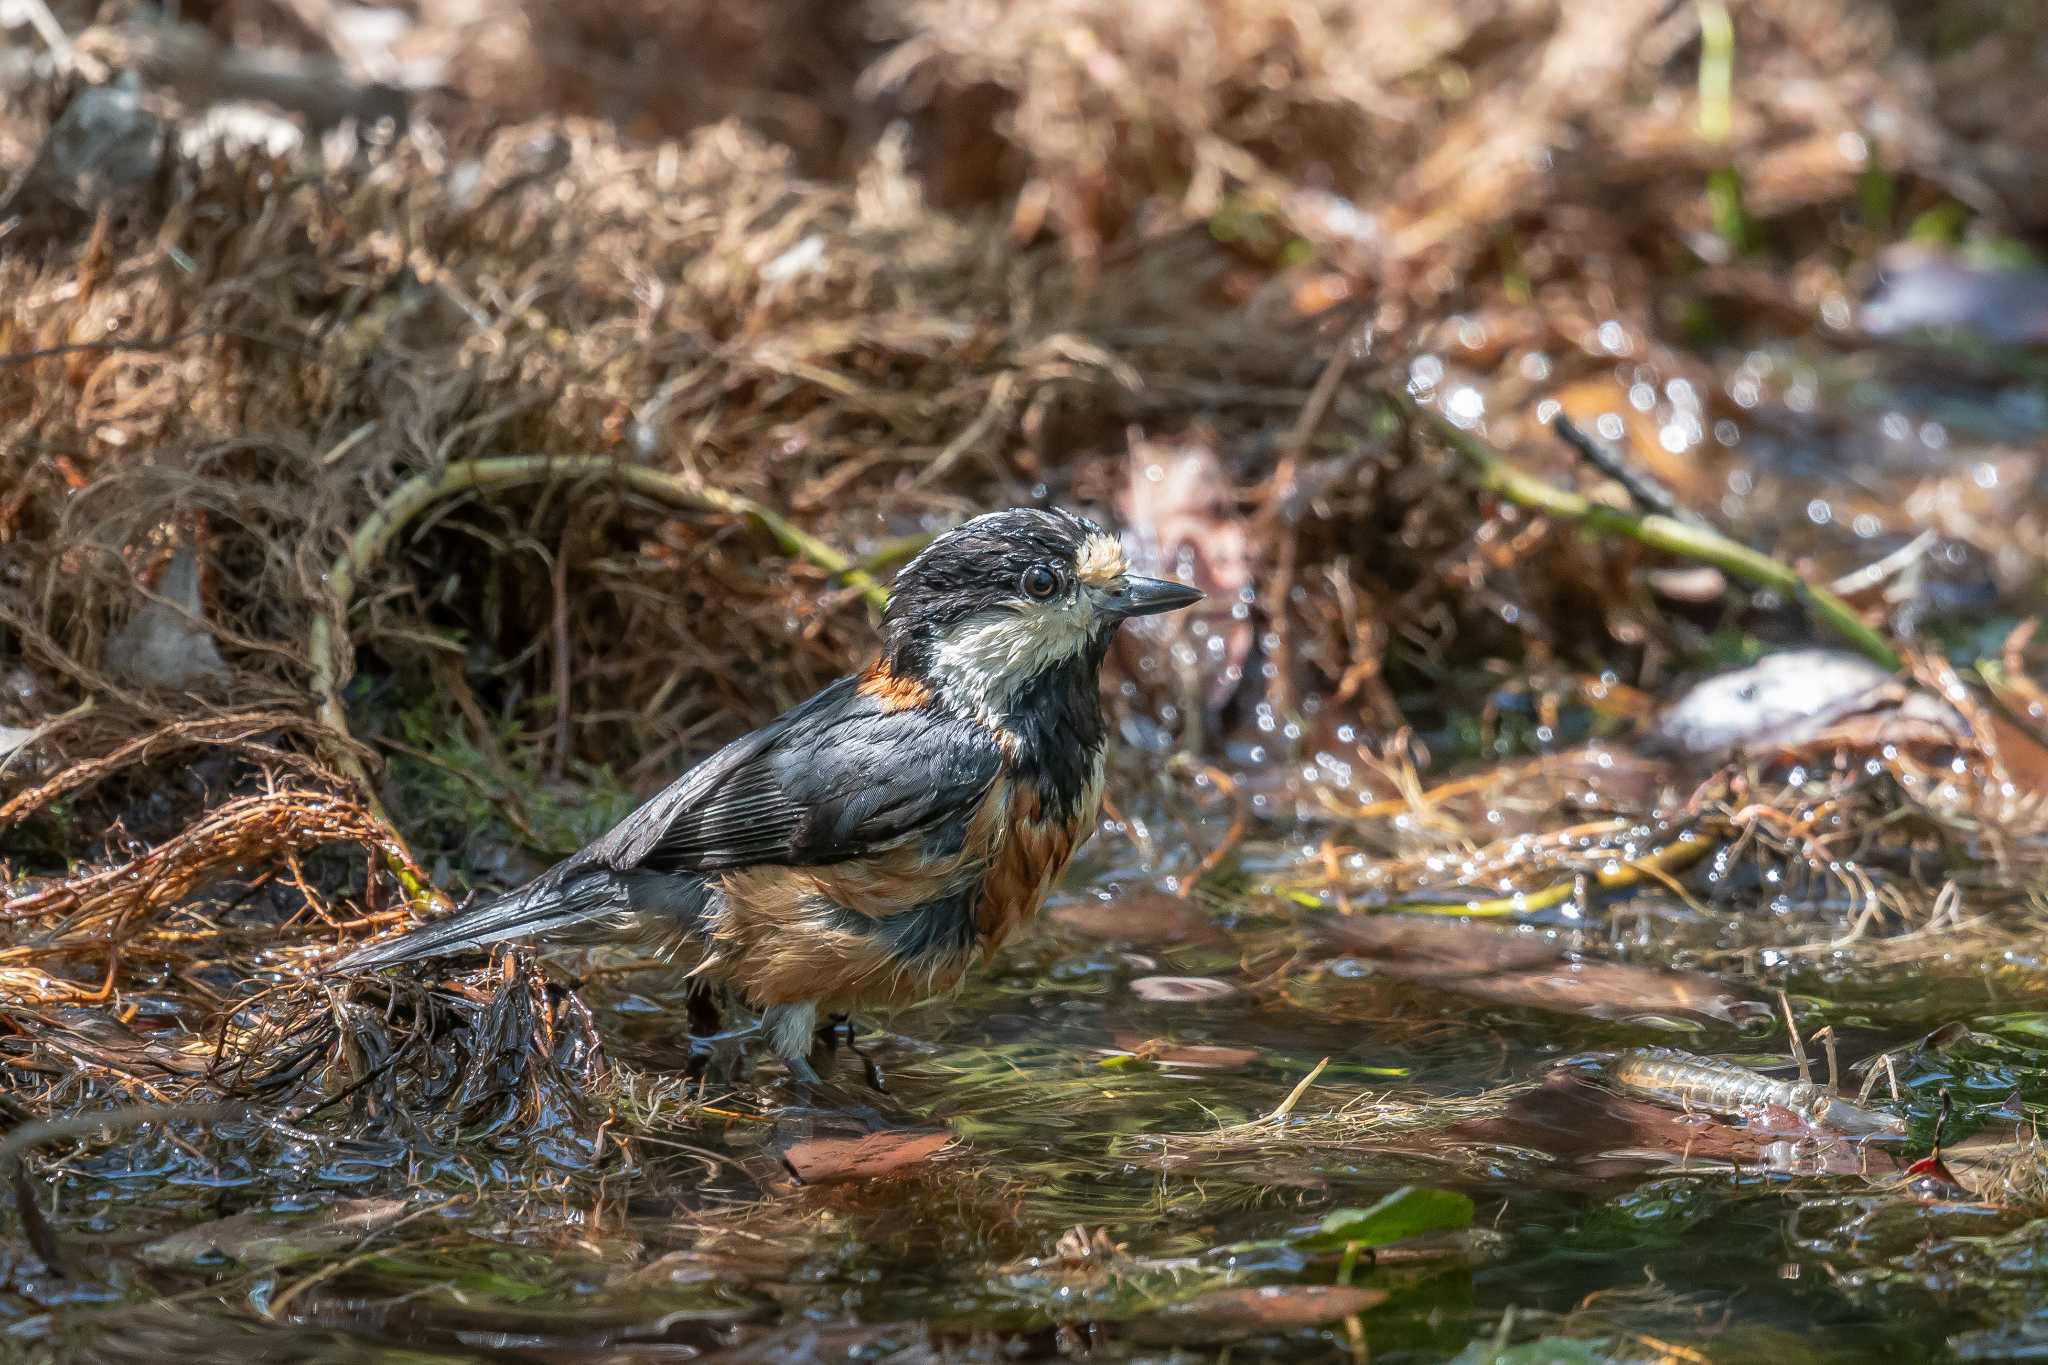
column 1528, row 969
column 1721, row 1087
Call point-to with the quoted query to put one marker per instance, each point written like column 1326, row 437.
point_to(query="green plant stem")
column 327, row 640
column 1492, row 472
column 1717, row 72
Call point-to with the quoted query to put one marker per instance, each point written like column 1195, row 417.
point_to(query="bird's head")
column 992, row 606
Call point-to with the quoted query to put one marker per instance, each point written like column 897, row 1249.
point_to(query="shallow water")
column 1078, row 1108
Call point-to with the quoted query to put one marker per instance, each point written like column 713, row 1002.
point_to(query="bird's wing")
column 837, row 776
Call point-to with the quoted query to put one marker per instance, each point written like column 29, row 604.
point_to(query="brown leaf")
column 1267, row 1308
column 1603, row 1133
column 1510, row 967
column 1199, row 1056
column 832, row 1160
column 1148, row 919
column 260, row 1238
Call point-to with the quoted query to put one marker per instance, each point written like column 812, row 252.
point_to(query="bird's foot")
column 721, row 1059
column 841, row 1026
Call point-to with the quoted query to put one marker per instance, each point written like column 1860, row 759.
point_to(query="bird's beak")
column 1149, row 596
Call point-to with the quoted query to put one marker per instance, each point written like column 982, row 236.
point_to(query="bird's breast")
column 1043, row 829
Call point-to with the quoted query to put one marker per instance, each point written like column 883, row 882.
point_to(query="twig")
column 111, row 346
column 1826, row 1037
column 1493, row 473
column 1639, row 484
column 47, row 28
column 1286, row 1106
column 233, row 729
column 204, row 72
column 1798, row 1047
column 327, row 646
column 558, row 763
column 1277, row 522
column 1232, row 837
column 1898, row 561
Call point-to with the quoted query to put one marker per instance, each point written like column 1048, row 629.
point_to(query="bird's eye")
column 1040, row 582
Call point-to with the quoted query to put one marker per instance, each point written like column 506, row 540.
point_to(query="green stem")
column 1493, row 473
column 1717, row 72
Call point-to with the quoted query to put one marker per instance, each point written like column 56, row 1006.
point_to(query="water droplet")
column 1465, row 406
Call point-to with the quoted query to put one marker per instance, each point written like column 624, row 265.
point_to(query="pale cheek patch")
column 985, row 661
column 1101, row 561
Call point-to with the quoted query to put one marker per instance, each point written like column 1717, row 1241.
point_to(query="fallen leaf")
column 1146, row 919
column 1267, row 1308
column 1604, row 1134
column 1521, row 968
column 1198, row 1056
column 832, row 1160
column 1407, row 1212
column 260, row 1238
column 1181, row 990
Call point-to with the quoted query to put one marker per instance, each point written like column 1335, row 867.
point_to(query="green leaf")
column 1404, row 1213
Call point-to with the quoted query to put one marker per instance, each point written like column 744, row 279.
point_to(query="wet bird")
column 867, row 846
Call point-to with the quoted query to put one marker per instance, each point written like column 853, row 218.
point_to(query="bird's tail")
column 589, row 907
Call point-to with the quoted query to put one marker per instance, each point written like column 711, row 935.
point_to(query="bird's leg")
column 790, row 1029
column 700, row 1007
column 720, row 1055
column 828, row 1032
